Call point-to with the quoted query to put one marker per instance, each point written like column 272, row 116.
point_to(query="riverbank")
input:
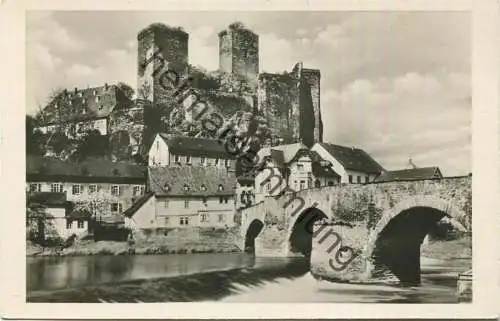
column 447, row 250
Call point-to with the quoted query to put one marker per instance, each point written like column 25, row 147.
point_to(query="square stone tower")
column 160, row 47
column 239, row 52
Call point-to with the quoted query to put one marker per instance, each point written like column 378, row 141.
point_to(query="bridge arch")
column 253, row 230
column 301, row 230
column 396, row 239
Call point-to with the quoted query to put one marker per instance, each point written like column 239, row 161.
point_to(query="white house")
column 354, row 165
column 291, row 167
column 59, row 214
column 169, row 150
column 185, row 196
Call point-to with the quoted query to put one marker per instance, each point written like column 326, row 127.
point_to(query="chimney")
column 76, row 90
column 106, row 86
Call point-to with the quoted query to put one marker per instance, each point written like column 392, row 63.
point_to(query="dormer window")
column 95, row 92
column 186, row 188
column 221, row 188
column 166, row 188
column 204, row 187
column 97, row 99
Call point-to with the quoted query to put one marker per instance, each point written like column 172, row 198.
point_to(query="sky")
column 396, row 84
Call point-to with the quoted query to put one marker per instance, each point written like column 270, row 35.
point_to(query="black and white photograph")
column 229, row 155
column 248, row 157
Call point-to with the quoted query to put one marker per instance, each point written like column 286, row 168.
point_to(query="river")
column 231, row 277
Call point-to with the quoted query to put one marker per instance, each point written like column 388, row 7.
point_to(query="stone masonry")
column 360, row 215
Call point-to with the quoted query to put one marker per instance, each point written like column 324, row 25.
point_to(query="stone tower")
column 160, row 47
column 239, row 52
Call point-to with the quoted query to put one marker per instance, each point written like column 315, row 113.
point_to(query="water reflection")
column 51, row 273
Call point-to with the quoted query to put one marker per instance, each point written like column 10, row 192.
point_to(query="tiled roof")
column 129, row 212
column 410, row 174
column 95, row 170
column 199, row 180
column 354, row 159
column 323, row 171
column 84, row 104
column 194, row 146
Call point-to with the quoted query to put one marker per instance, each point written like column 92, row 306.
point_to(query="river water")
column 263, row 280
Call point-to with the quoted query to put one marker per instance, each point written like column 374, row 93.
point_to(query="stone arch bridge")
column 356, row 231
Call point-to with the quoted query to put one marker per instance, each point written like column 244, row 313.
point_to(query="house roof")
column 95, row 170
column 200, row 181
column 354, row 159
column 282, row 154
column 323, row 171
column 84, row 104
column 410, row 174
column 195, row 146
column 129, row 212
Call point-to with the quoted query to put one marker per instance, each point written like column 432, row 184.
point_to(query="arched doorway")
column 301, row 235
column 253, row 231
column 397, row 248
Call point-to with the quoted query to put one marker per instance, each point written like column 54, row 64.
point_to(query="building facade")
column 185, row 196
column 170, row 150
column 292, row 167
column 354, row 165
column 104, row 187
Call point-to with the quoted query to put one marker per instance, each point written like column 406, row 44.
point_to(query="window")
column 367, row 179
column 115, row 190
column 350, row 178
column 186, row 203
column 166, row 187
column 202, row 160
column 56, row 188
column 226, row 199
column 77, row 189
column 69, row 224
column 302, row 184
column 226, row 162
column 204, row 187
column 116, row 207
column 80, row 224
column 359, row 179
column 137, row 190
column 204, row 200
column 216, row 162
column 186, row 188
column 221, row 199
column 317, row 183
column 221, row 188
column 84, row 111
column 166, row 220
column 92, row 189
column 157, row 145
column 188, row 159
column 176, row 158
column 204, row 218
column 35, row 187
column 268, row 186
column 300, row 167
column 165, row 203
column 97, row 98
column 84, row 101
column 221, row 218
column 142, row 190
column 330, row 183
column 184, row 220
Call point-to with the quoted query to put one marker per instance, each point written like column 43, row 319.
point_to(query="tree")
column 35, row 140
column 39, row 223
column 91, row 144
column 126, row 89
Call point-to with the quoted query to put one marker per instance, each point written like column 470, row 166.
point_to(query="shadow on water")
column 194, row 287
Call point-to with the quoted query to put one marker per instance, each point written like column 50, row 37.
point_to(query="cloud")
column 394, row 119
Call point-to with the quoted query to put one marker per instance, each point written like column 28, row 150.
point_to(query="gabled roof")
column 323, row 171
column 93, row 170
column 129, row 212
column 411, row 174
column 354, row 159
column 196, row 147
column 84, row 104
column 200, row 181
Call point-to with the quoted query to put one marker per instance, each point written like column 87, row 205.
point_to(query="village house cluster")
column 191, row 181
